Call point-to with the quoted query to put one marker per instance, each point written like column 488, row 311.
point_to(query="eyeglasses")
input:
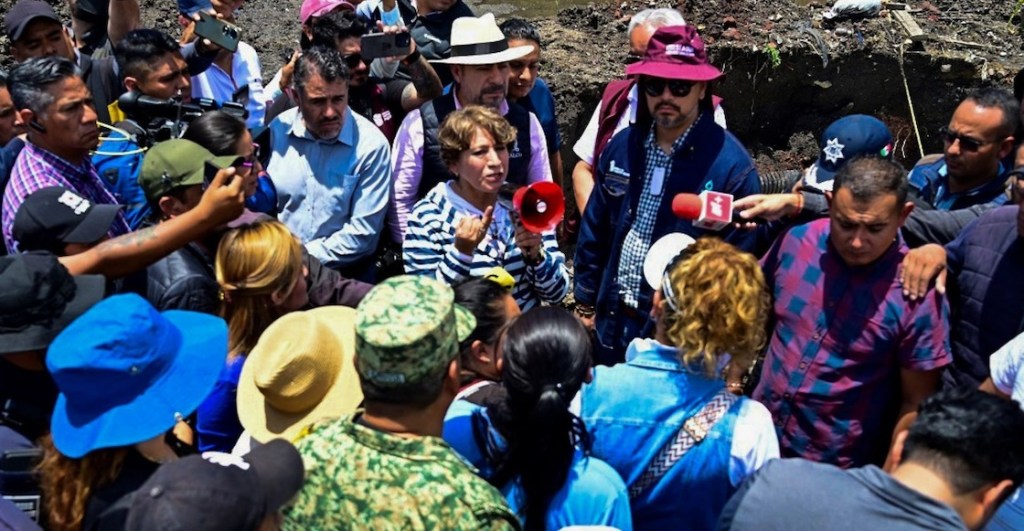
column 655, row 86
column 966, row 143
column 633, row 58
column 352, row 60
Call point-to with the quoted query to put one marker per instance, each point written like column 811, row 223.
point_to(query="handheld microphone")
column 709, row 210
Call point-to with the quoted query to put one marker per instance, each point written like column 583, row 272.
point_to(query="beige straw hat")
column 300, row 371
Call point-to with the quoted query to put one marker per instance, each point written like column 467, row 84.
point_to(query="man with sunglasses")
column 382, row 101
column 619, row 100
column 985, row 263
column 970, row 172
column 674, row 147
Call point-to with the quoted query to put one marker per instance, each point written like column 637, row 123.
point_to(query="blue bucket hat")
column 844, row 139
column 127, row 372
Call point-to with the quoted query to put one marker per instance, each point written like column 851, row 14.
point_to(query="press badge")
column 657, row 181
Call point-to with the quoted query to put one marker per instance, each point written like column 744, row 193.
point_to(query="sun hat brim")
column 180, row 390
column 266, row 423
column 704, row 72
column 504, row 56
column 661, row 254
column 89, row 290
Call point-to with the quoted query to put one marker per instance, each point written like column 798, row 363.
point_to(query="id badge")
column 657, row 181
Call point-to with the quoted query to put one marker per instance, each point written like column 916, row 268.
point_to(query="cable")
column 126, row 137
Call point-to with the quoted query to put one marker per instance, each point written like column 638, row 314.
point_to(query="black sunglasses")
column 352, row 60
column 655, row 86
column 966, row 143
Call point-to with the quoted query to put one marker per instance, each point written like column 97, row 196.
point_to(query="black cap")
column 24, row 12
column 51, row 217
column 39, row 299
column 217, row 491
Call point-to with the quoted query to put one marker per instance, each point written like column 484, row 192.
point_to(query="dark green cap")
column 176, row 163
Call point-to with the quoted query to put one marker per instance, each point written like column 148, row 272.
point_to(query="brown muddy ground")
column 776, row 103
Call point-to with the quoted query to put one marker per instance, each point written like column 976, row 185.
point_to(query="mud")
column 788, row 72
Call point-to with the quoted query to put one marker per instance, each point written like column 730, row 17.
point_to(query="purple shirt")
column 842, row 334
column 407, row 159
column 37, row 168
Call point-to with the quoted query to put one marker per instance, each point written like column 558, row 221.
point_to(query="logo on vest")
column 617, row 170
column 515, row 153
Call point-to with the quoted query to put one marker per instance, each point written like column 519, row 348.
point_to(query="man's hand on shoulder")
column 920, row 267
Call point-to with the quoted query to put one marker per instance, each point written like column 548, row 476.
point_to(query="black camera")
column 167, row 119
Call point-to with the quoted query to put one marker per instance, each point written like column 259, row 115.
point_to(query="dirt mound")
column 789, row 72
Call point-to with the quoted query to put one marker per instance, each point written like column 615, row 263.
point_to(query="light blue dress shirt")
column 332, row 194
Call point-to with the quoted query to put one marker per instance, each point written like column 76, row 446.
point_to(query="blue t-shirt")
column 217, row 424
column 593, row 493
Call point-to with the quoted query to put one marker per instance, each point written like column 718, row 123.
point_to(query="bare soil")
column 788, row 72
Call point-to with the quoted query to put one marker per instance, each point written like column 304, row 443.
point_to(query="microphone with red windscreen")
column 709, row 210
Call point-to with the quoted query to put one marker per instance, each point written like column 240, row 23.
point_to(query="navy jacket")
column 929, row 188
column 710, row 158
column 986, row 261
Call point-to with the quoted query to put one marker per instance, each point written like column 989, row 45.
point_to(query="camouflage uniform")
column 360, row 478
column 407, row 328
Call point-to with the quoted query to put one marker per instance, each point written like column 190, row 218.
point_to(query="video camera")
column 167, row 119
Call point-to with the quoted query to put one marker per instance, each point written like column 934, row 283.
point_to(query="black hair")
column 485, row 299
column 324, row 61
column 138, row 49
column 216, row 131
column 3, row 77
column 336, row 26
column 968, row 437
column 868, row 177
column 997, row 98
column 546, row 358
column 29, row 80
column 517, row 28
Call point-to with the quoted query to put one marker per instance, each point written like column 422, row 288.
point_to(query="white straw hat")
column 479, row 41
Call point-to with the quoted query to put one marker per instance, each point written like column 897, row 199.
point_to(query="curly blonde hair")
column 254, row 263
column 459, row 128
column 720, row 305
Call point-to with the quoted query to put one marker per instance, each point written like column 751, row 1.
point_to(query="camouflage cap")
column 175, row 163
column 408, row 327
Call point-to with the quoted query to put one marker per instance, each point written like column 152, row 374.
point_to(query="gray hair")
column 324, row 61
column 28, row 81
column 656, row 18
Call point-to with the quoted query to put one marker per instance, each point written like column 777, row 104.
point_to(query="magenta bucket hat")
column 676, row 52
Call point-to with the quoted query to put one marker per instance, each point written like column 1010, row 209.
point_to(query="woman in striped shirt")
column 459, row 229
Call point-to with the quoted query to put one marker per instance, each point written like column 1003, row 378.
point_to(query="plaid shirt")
column 638, row 239
column 832, row 373
column 37, row 168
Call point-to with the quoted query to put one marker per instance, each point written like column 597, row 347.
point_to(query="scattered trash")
column 846, row 9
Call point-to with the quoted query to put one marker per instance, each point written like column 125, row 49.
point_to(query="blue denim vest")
column 634, row 409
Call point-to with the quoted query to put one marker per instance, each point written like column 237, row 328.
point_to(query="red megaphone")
column 539, row 206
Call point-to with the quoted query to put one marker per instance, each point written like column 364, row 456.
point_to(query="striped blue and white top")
column 429, row 249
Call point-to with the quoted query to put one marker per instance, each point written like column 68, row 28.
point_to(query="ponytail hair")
column 547, row 356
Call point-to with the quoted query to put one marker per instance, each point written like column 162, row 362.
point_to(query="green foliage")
column 775, row 59
column 1017, row 8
